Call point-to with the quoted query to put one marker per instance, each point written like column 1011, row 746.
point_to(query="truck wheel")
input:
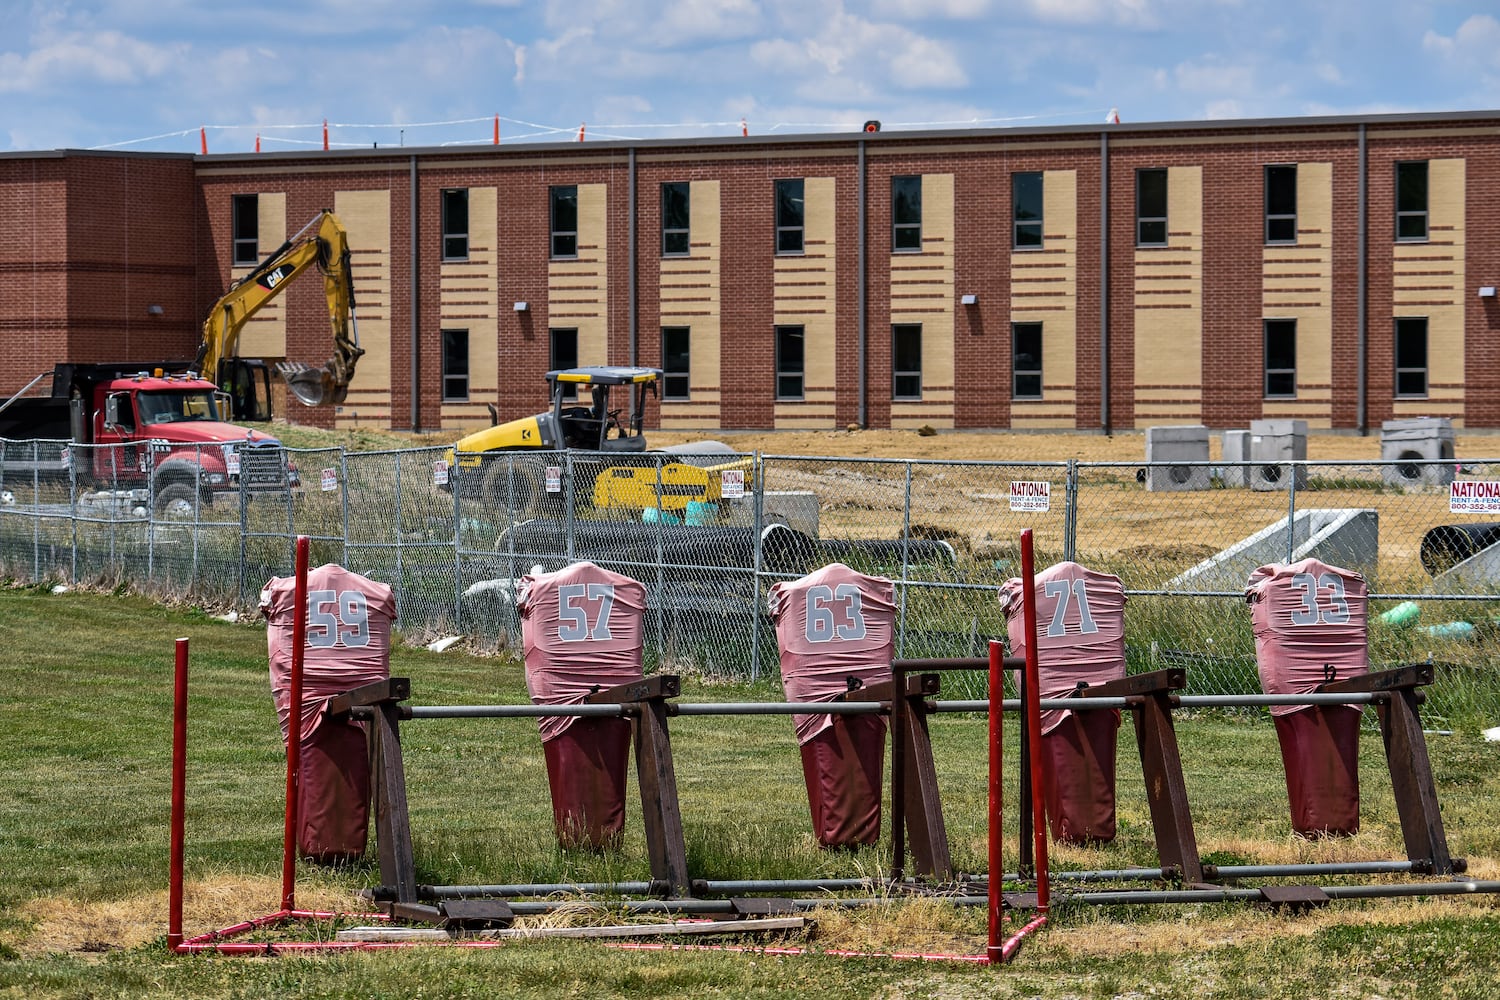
column 176, row 502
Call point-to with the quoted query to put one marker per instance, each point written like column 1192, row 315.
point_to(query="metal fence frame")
column 454, row 561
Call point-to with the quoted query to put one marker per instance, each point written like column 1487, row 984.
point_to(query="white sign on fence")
column 330, row 479
column 1030, row 497
column 232, row 462
column 554, row 479
column 732, row 483
column 1474, row 497
column 440, row 473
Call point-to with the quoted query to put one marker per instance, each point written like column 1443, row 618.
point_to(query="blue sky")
column 148, row 74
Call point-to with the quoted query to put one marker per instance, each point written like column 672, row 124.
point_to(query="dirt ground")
column 1126, row 446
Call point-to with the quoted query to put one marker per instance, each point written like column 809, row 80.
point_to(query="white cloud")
column 1476, row 44
column 708, row 21
column 1123, row 12
column 108, row 57
column 916, row 10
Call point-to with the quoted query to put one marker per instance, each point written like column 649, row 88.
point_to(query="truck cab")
column 140, row 429
column 167, row 428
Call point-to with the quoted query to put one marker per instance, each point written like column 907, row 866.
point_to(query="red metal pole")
column 294, row 734
column 997, row 786
column 1033, row 710
column 179, row 796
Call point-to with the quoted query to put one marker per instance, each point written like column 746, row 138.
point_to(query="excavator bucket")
column 312, row 386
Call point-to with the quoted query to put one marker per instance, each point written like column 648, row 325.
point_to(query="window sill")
column 1029, row 248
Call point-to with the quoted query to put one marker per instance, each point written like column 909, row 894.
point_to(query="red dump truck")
column 153, row 432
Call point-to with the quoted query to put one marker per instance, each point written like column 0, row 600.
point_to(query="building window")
column 455, row 365
column 456, row 224
column 1281, row 358
column 1411, row 201
column 564, row 221
column 906, row 361
column 906, row 214
column 1281, row 204
column 1411, row 356
column 789, row 216
column 1026, row 360
column 674, row 220
column 675, row 367
column 1026, row 202
column 245, row 229
column 1151, row 208
column 790, row 362
column 565, row 355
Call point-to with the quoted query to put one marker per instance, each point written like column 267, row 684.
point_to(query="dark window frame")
column 1143, row 219
column 244, row 247
column 1026, row 233
column 906, row 382
column 676, row 240
column 564, row 241
column 791, row 224
column 787, row 377
column 906, row 213
column 1280, row 380
column 558, row 359
column 1406, row 194
column 1032, row 375
column 455, row 203
column 1415, row 326
column 676, row 380
column 453, row 378
column 1281, row 218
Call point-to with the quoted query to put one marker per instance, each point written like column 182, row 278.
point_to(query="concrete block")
column 1338, row 536
column 1236, row 448
column 1274, row 444
column 1404, row 443
column 1166, row 446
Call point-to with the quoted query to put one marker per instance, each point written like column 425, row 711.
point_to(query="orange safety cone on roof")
column 325, row 133
column 580, row 131
column 497, row 130
column 203, row 140
column 744, row 127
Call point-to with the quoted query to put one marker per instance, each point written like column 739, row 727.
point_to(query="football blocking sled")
column 1310, row 621
column 834, row 630
column 1081, row 644
column 347, row 644
column 581, row 631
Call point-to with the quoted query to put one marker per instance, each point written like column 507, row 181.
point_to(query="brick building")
column 1337, row 270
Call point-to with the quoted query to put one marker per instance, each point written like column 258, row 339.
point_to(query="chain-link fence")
column 708, row 535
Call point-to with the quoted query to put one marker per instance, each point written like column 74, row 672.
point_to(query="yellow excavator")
column 322, row 242
column 613, row 467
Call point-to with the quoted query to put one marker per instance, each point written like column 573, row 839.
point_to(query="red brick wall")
column 87, row 241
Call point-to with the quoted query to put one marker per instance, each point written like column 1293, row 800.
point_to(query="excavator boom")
column 322, row 242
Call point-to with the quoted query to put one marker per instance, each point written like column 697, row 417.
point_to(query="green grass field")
column 84, row 834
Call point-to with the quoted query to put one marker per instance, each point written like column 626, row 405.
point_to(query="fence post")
column 1070, row 512
column 661, row 586
column 757, row 508
column 905, row 565
column 1291, row 512
column 73, row 509
column 572, row 470
column 344, row 497
column 458, row 547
